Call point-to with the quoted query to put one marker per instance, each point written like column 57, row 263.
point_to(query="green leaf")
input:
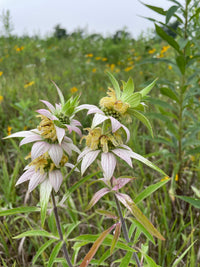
column 142, row 229
column 18, row 210
column 177, row 261
column 142, row 118
column 158, row 10
column 128, row 89
column 169, row 39
column 193, row 201
column 126, row 260
column 115, row 238
column 168, row 92
column 95, row 247
column 62, row 100
column 59, row 124
column 131, row 206
column 146, row 162
column 54, row 253
column 35, row 233
column 133, row 100
column 106, row 213
column 150, row 261
column 181, row 63
column 170, row 13
column 149, row 190
column 148, row 88
column 42, row 249
column 115, row 84
column 107, row 241
column 45, row 191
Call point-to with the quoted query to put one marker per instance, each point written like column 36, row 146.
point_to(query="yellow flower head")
column 128, row 68
column 47, row 128
column 92, row 139
column 73, row 90
column 89, row 55
column 1, row 73
column 29, row 84
column 111, row 102
column 18, row 49
column 152, row 51
column 9, row 130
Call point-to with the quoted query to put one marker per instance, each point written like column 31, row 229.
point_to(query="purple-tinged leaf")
column 102, row 192
column 115, row 238
column 131, row 206
column 49, row 105
column 107, row 214
column 120, row 182
column 95, row 247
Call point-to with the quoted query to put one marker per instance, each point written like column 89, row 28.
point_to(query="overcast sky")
column 99, row 16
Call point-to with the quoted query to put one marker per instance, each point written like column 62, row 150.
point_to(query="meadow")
column 78, row 63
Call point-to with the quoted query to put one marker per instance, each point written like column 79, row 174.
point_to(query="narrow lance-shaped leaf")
column 62, row 100
column 45, row 191
column 102, row 192
column 149, row 190
column 143, row 119
column 107, row 213
column 131, row 206
column 158, row 10
column 95, row 247
column 36, row 233
column 126, row 260
column 18, row 210
column 54, row 253
column 115, row 84
column 193, row 201
column 133, row 99
column 147, row 162
column 148, row 88
column 42, row 249
column 170, row 13
column 115, row 238
column 169, row 39
column 128, row 88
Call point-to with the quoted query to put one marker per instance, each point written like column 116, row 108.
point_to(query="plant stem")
column 60, row 231
column 125, row 231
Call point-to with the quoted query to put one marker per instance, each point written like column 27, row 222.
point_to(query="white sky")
column 100, row 16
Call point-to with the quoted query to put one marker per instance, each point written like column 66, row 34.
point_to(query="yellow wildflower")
column 25, row 128
column 29, row 84
column 165, row 48
column 9, row 130
column 170, row 67
column 1, row 72
column 152, row 51
column 1, row 99
column 176, row 177
column 73, row 90
column 97, row 58
column 112, row 66
column 128, row 68
column 104, row 59
column 94, row 70
column 18, row 49
column 89, row 55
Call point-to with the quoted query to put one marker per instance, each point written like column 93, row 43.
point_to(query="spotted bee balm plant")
column 106, row 142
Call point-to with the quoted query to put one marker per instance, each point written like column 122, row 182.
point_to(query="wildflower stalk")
column 125, row 230
column 60, row 231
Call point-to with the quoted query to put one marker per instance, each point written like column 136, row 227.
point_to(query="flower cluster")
column 51, row 147
column 106, row 136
